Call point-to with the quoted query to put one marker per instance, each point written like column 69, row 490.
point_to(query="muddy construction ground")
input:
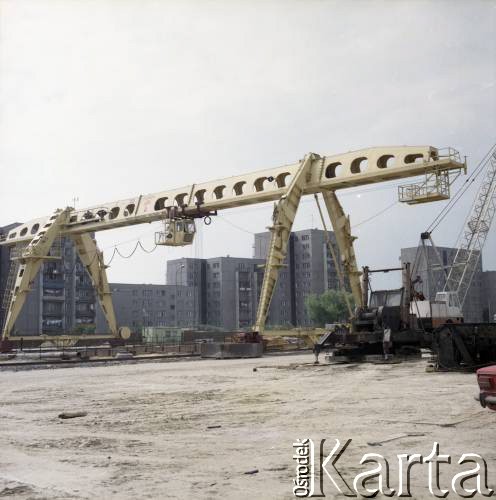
column 201, row 429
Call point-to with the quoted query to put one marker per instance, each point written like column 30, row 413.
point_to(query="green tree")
column 329, row 307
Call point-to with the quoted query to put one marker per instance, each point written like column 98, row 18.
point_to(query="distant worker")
column 387, row 343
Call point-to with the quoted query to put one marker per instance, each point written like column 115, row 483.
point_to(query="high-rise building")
column 191, row 272
column 142, row 305
column 4, row 268
column 62, row 299
column 227, row 288
column 489, row 296
column 432, row 272
column 233, row 285
column 310, row 269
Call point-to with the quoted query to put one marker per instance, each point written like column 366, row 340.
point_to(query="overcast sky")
column 101, row 100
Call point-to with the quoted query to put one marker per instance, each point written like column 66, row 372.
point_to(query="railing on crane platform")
column 436, row 185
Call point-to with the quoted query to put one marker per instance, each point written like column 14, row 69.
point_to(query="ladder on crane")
column 15, row 253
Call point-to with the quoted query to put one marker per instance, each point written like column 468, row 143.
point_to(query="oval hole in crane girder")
column 258, row 185
column 179, row 199
column 218, row 192
column 114, row 213
column 238, row 188
column 414, row 158
column 160, row 203
column 282, row 180
column 359, row 165
column 385, row 161
column 200, row 196
column 334, row 169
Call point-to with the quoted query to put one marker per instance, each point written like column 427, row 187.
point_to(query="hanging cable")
column 131, row 254
column 235, row 225
column 114, row 253
column 375, row 215
column 145, row 250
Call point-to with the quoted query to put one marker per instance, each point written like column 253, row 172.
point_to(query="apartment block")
column 489, row 296
column 143, row 305
column 310, row 269
column 227, row 288
column 62, row 299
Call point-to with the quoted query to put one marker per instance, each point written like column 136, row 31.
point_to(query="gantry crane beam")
column 326, row 173
column 286, row 185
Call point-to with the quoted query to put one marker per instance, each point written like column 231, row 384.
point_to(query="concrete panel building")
column 489, row 296
column 233, row 285
column 143, row 305
column 310, row 270
column 227, row 288
column 4, row 268
column 191, row 272
column 62, row 299
column 426, row 265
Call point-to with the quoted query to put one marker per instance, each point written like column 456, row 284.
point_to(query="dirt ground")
column 147, row 431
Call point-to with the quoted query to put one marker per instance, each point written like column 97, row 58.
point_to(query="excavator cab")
column 177, row 232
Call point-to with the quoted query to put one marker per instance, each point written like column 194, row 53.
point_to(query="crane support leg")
column 342, row 229
column 283, row 218
column 92, row 259
column 337, row 264
column 30, row 262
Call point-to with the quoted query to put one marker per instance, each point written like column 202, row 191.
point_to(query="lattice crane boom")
column 474, row 233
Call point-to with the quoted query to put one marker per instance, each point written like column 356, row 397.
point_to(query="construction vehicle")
column 403, row 320
column 400, row 322
column 177, row 209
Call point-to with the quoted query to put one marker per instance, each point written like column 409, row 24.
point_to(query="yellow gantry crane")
column 178, row 208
